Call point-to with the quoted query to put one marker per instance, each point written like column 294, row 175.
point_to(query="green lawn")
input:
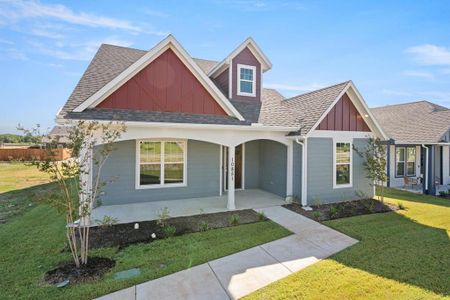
column 32, row 243
column 402, row 255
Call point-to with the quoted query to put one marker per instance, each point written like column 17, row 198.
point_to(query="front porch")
column 136, row 212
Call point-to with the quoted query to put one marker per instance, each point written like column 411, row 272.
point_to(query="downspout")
column 425, row 173
column 304, row 194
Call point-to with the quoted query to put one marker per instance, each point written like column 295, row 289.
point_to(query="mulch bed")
column 94, row 270
column 346, row 209
column 123, row 235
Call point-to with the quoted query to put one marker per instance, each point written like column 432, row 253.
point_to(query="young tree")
column 91, row 143
column 374, row 155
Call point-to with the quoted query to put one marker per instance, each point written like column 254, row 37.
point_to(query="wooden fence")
column 30, row 154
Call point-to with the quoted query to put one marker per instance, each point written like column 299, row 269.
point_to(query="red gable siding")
column 165, row 85
column 344, row 117
column 246, row 57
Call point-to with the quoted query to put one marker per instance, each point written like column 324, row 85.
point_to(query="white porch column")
column 290, row 171
column 231, row 174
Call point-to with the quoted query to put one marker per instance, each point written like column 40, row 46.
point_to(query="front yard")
column 32, row 243
column 402, row 255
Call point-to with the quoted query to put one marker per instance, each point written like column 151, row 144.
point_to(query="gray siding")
column 252, row 164
column 202, row 175
column 320, row 173
column 272, row 174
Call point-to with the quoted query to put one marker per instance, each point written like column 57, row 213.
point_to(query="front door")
column 238, row 168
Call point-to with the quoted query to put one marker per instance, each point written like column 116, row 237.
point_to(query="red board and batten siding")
column 165, row 85
column 246, row 57
column 344, row 117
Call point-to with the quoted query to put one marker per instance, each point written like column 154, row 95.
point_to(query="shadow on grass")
column 395, row 247
column 418, row 198
column 16, row 202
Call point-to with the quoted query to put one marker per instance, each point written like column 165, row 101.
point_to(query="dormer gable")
column 239, row 74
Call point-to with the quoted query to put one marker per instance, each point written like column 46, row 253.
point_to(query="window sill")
column 160, row 186
column 246, row 94
column 341, row 186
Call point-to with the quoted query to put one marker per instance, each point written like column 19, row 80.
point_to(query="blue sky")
column 394, row 51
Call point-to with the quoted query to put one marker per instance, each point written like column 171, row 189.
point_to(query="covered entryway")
column 135, row 212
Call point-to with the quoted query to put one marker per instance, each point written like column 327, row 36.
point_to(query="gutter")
column 253, row 126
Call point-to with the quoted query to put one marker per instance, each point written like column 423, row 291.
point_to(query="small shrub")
column 261, row 216
column 317, row 202
column 361, row 194
column 401, row 206
column 333, row 212
column 204, row 226
column 107, row 221
column 371, row 206
column 163, row 216
column 316, row 215
column 169, row 230
column 442, row 193
column 235, row 219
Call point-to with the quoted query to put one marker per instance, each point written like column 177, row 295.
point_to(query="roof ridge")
column 412, row 103
column 315, row 91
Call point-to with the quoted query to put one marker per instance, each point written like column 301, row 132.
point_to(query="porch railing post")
column 231, row 177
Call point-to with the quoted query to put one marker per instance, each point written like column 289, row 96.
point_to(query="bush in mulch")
column 346, row 209
column 445, row 195
column 123, row 235
column 94, row 270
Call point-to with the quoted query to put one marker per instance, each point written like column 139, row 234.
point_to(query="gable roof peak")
column 253, row 47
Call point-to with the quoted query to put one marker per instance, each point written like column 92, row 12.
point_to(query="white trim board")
column 238, row 80
column 168, row 43
column 350, row 184
column 361, row 107
column 138, row 186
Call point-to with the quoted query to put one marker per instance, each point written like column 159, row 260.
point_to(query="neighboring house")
column 199, row 128
column 419, row 142
column 58, row 135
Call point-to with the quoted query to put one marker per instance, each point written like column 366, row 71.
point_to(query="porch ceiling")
column 137, row 212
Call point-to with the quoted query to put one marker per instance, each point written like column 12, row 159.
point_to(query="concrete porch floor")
column 135, row 212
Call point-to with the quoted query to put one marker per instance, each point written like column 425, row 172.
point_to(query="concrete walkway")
column 242, row 273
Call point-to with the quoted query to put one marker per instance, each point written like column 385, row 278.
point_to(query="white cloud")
column 421, row 74
column 429, row 54
column 292, row 87
column 2, row 41
column 155, row 13
column 46, row 33
column 12, row 53
column 83, row 51
column 11, row 11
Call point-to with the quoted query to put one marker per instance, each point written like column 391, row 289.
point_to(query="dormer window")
column 246, row 80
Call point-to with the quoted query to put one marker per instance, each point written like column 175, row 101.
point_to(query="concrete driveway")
column 242, row 273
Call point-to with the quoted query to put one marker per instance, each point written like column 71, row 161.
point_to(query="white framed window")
column 405, row 161
column 342, row 164
column 160, row 163
column 246, row 85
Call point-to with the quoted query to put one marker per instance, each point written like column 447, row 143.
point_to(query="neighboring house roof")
column 417, row 122
column 59, row 134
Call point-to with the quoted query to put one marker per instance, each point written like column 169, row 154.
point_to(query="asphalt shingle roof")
column 416, row 122
column 306, row 109
column 274, row 110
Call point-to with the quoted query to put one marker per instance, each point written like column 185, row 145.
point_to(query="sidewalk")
column 239, row 274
